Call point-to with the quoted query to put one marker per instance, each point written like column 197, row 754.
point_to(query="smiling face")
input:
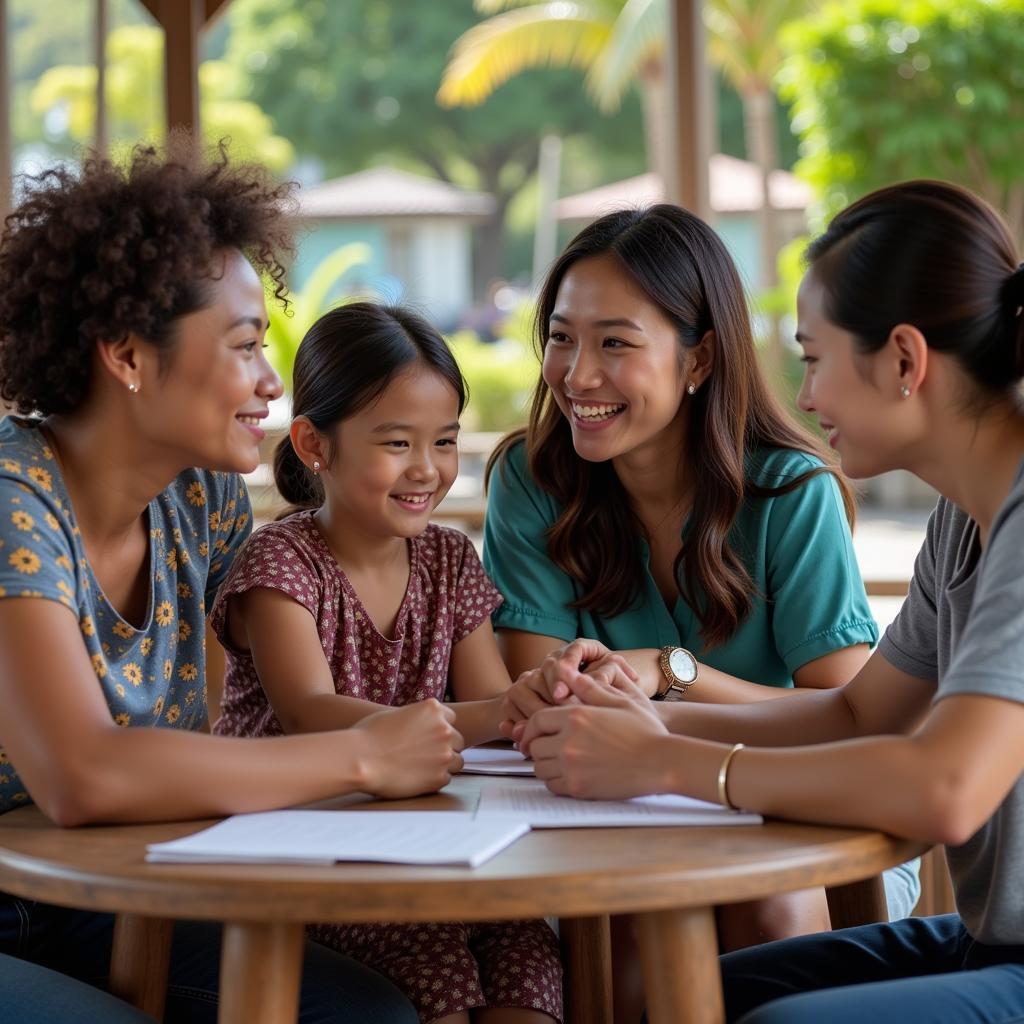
column 206, row 401
column 394, row 460
column 614, row 363
column 857, row 406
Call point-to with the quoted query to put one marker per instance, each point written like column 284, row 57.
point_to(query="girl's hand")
column 608, row 749
column 409, row 750
column 548, row 684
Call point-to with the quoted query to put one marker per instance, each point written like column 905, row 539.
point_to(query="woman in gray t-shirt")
column 910, row 318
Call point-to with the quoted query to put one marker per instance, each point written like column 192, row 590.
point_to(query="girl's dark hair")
column 683, row 267
column 104, row 250
column 935, row 256
column 344, row 363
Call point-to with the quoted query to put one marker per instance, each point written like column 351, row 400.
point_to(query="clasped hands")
column 585, row 722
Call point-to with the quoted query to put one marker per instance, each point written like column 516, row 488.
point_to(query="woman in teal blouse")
column 660, row 498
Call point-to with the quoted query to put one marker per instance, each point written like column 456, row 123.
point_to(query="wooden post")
column 689, row 109
column 102, row 141
column 182, row 21
column 6, row 174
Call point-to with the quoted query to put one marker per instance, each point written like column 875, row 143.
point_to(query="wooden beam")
column 101, row 143
column 689, row 106
column 153, row 6
column 214, row 8
column 182, row 21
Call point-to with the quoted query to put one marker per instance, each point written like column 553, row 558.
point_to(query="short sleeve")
column 988, row 656
column 911, row 642
column 230, row 525
column 274, row 558
column 818, row 603
column 538, row 595
column 476, row 595
column 36, row 553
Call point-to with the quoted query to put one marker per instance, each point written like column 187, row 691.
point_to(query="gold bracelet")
column 723, row 777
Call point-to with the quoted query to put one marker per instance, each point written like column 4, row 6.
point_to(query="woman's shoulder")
column 771, row 467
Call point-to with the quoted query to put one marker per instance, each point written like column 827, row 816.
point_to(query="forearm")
column 135, row 775
column 883, row 782
column 711, row 687
column 478, row 720
column 809, row 716
column 323, row 712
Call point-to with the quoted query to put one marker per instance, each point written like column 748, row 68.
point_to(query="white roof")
column 387, row 192
column 735, row 188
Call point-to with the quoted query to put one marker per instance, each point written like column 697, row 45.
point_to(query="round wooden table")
column 672, row 878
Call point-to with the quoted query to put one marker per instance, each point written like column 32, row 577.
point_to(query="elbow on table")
column 953, row 813
column 73, row 794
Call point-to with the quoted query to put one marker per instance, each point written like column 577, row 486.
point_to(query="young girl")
column 359, row 602
column 910, row 318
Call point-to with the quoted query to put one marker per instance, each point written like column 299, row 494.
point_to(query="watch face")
column 682, row 665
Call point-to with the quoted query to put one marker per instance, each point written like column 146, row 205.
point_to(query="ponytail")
column 296, row 483
column 1013, row 296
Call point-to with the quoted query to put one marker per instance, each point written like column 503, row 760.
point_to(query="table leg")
column 679, row 953
column 857, row 903
column 587, row 952
column 260, row 972
column 140, row 960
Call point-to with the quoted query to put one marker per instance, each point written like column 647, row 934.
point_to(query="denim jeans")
column 37, row 939
column 921, row 970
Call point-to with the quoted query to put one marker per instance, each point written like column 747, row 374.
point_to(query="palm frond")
column 638, row 34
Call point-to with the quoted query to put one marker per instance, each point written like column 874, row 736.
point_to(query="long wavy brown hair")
column 684, row 268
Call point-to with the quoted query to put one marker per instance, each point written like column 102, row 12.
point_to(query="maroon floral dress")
column 442, row 968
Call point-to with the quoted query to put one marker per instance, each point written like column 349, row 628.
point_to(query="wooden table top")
column 564, row 873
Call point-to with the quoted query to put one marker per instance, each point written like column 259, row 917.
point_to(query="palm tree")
column 618, row 42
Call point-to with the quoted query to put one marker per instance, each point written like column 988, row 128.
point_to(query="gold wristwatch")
column 679, row 667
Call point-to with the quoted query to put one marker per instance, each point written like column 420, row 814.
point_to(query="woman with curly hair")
column 132, row 318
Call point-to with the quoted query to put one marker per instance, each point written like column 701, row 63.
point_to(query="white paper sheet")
column 495, row 761
column 535, row 803
column 323, row 837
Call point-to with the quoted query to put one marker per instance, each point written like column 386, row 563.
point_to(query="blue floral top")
column 154, row 675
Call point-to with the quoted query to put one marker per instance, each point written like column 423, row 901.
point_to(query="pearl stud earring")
column 691, row 388
column 316, row 466
column 133, row 388
column 904, row 391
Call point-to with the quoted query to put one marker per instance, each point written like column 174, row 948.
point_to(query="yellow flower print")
column 184, row 590
column 64, row 588
column 3, row 591
column 227, row 524
column 215, row 520
column 184, row 557
column 120, row 691
column 10, row 465
column 171, row 558
column 47, row 452
column 123, row 719
column 216, row 567
column 220, row 544
column 87, row 626
column 173, row 714
column 132, row 673
column 230, row 507
column 20, row 797
column 196, row 494
column 204, row 549
column 168, row 669
column 123, row 630
column 52, row 521
column 188, row 672
column 242, row 520
column 99, row 666
column 176, row 533
column 157, row 534
column 158, row 707
column 25, row 561
column 64, row 562
column 41, row 477
column 147, row 646
column 22, row 520
column 190, row 697
column 165, row 613
column 184, row 630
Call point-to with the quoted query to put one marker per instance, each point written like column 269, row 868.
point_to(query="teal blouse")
column 809, row 599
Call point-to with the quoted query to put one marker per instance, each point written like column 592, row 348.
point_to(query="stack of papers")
column 533, row 802
column 495, row 761
column 323, row 837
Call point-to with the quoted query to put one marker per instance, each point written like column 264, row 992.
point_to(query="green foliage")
column 500, row 375
column 885, row 90
column 134, row 92
column 288, row 327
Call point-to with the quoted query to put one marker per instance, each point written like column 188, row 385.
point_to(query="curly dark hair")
column 104, row 250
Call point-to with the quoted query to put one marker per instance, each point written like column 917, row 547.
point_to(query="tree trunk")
column 654, row 96
column 759, row 127
column 489, row 247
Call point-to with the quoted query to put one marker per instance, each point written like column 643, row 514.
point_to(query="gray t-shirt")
column 962, row 625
